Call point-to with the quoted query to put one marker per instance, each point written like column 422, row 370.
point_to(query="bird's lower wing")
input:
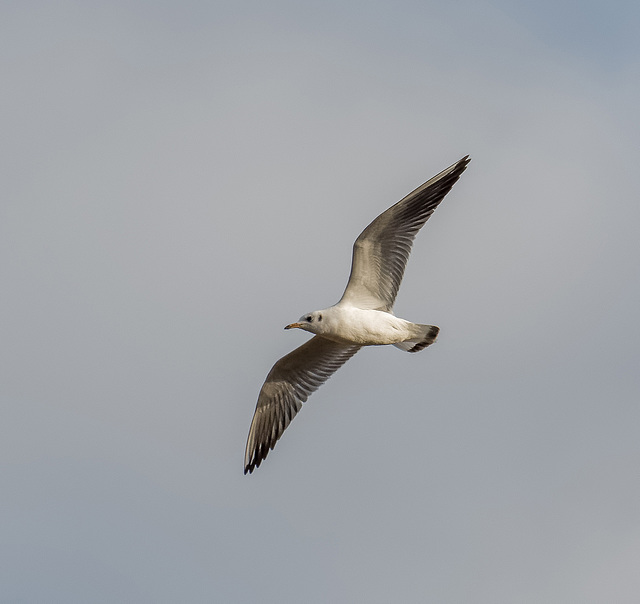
column 289, row 383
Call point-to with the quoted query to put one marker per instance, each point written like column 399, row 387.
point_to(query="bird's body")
column 362, row 317
column 348, row 324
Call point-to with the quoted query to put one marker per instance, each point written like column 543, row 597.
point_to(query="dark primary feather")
column 289, row 383
column 381, row 251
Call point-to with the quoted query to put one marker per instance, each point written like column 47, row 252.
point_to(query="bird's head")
column 312, row 322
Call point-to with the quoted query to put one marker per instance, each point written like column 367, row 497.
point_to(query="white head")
column 312, row 322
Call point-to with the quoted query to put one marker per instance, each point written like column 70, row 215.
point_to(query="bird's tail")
column 425, row 335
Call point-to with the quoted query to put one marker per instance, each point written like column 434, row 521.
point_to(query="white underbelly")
column 371, row 328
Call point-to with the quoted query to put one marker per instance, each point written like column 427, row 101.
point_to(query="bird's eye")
column 309, row 318
column 319, row 317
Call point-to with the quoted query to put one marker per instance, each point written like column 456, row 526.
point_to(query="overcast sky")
column 182, row 179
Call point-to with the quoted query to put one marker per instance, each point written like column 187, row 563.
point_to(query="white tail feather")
column 426, row 336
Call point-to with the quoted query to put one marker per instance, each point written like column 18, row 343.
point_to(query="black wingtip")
column 447, row 178
column 259, row 455
column 251, row 466
column 462, row 163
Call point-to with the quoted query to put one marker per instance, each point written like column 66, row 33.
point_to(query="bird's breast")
column 367, row 327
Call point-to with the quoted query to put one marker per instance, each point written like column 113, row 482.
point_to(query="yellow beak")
column 293, row 325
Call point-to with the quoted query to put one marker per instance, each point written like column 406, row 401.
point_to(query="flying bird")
column 363, row 316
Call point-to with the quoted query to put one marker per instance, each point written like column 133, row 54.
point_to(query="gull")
column 363, row 316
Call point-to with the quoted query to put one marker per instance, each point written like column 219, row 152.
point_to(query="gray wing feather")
column 289, row 384
column 381, row 251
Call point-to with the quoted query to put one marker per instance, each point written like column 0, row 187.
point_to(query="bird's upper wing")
column 381, row 251
column 289, row 383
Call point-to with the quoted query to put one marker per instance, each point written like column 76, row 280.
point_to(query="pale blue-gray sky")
column 182, row 179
